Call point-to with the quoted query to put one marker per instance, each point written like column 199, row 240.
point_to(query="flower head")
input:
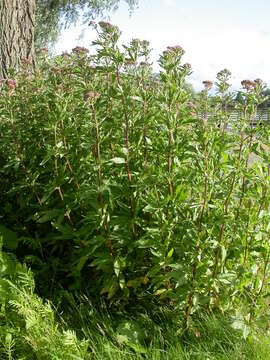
column 258, row 81
column 145, row 43
column 91, row 95
column 248, row 84
column 11, row 84
column 80, row 50
column 108, row 27
column 176, row 50
column 207, row 84
column 224, row 73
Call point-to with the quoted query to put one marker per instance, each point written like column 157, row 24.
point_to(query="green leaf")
column 117, row 267
column 9, row 238
column 118, row 160
column 50, row 215
column 170, row 253
column 223, row 253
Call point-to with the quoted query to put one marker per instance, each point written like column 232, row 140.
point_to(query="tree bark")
column 17, row 19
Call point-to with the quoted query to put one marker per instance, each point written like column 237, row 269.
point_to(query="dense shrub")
column 123, row 183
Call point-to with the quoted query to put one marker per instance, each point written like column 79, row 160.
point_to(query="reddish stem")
column 98, row 159
column 129, row 174
column 69, row 167
column 60, row 193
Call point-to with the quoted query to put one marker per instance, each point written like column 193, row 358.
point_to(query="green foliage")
column 28, row 329
column 115, row 183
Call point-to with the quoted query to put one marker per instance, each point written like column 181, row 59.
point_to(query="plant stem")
column 60, row 193
column 226, row 205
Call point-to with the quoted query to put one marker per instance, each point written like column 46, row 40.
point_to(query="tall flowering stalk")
column 207, row 88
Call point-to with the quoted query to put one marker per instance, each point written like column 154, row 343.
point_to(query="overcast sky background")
column 215, row 34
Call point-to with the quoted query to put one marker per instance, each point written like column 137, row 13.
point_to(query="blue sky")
column 215, row 34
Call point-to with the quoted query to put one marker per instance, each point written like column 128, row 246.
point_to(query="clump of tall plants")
column 124, row 183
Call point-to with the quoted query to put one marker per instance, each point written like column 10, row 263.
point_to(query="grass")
column 158, row 334
column 76, row 328
column 211, row 338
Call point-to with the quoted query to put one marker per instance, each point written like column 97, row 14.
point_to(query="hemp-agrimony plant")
column 121, row 182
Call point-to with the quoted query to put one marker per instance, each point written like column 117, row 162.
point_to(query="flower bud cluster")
column 207, row 84
column 10, row 83
column 91, row 95
column 248, row 84
column 108, row 28
column 80, row 50
column 174, row 51
column 223, row 77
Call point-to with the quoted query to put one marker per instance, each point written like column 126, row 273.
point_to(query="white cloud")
column 168, row 3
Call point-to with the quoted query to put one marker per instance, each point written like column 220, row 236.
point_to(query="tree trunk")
column 17, row 19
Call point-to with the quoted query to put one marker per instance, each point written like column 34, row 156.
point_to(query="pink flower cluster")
column 108, row 27
column 10, row 83
column 207, row 84
column 248, row 84
column 173, row 51
column 80, row 50
column 224, row 74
